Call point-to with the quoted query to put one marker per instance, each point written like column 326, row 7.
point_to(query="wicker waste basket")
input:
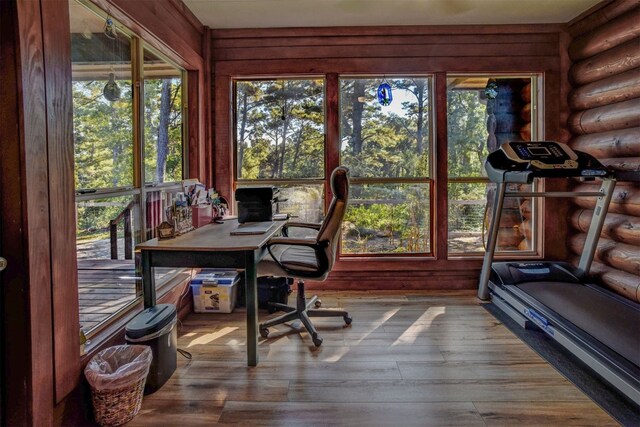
column 117, row 376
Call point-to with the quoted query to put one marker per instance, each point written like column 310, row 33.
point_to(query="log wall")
column 605, row 122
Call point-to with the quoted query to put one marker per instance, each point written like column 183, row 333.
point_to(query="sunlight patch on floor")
column 421, row 324
column 208, row 338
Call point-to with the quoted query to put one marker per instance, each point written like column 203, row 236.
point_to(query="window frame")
column 538, row 203
column 430, row 179
column 139, row 188
column 239, row 182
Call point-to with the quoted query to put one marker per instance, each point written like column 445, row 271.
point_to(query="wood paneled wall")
column 37, row 232
column 605, row 122
column 435, row 50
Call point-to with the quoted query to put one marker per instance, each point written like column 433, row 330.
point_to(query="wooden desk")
column 212, row 246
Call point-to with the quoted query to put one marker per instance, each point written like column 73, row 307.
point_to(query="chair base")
column 302, row 311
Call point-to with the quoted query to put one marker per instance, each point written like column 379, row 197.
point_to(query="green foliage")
column 388, row 218
column 153, row 113
column 280, row 129
column 103, row 142
column 103, row 136
column 467, row 150
column 385, row 142
column 467, row 133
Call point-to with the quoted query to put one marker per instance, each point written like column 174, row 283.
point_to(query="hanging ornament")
column 109, row 28
column 111, row 91
column 491, row 91
column 385, row 97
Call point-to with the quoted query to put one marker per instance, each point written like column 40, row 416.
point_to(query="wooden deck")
column 106, row 286
column 415, row 359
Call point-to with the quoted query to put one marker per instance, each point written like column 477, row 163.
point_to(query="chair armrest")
column 292, row 241
column 311, row 225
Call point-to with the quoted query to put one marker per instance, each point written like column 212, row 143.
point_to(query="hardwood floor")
column 418, row 359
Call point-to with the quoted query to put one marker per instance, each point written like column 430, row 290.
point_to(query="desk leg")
column 148, row 280
column 250, row 279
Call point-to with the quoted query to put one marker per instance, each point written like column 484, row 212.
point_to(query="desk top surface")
column 213, row 237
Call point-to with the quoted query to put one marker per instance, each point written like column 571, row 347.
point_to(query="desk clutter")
column 215, row 291
column 193, row 207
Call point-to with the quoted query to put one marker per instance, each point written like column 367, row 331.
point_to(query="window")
column 484, row 112
column 163, row 133
column 279, row 130
column 117, row 149
column 388, row 151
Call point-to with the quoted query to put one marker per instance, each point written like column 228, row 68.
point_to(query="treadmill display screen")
column 538, row 151
column 549, row 153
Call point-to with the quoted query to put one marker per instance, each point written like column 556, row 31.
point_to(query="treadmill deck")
column 614, row 323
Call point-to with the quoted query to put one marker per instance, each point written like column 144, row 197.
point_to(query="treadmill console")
column 521, row 161
column 541, row 155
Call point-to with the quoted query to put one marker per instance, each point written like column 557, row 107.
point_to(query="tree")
column 162, row 149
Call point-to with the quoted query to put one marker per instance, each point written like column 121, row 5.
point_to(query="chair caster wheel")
column 318, row 303
column 348, row 319
column 317, row 341
column 264, row 332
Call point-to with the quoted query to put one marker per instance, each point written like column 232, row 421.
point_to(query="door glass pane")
column 163, row 121
column 102, row 101
column 387, row 218
column 279, row 129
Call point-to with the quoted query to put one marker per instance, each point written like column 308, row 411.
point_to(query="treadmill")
column 598, row 326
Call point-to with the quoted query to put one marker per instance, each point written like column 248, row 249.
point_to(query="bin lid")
column 216, row 277
column 151, row 320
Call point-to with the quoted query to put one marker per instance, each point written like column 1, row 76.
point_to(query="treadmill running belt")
column 608, row 320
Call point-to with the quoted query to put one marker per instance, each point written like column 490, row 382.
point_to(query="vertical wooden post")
column 128, row 246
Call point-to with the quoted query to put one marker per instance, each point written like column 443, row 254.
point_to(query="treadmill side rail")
column 627, row 384
column 483, row 286
column 595, row 228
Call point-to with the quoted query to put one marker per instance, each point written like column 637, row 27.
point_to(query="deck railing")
column 124, row 215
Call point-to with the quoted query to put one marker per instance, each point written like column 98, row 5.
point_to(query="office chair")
column 308, row 258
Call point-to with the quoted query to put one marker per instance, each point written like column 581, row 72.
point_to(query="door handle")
column 3, row 263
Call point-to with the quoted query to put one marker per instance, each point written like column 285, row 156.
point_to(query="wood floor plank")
column 543, row 414
column 292, row 370
column 434, row 390
column 294, row 352
column 176, row 412
column 350, row 414
column 219, row 391
column 497, row 370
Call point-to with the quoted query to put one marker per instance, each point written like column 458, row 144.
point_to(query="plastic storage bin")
column 215, row 291
column 117, row 377
column 156, row 328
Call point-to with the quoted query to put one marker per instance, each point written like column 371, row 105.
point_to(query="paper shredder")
column 156, row 327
